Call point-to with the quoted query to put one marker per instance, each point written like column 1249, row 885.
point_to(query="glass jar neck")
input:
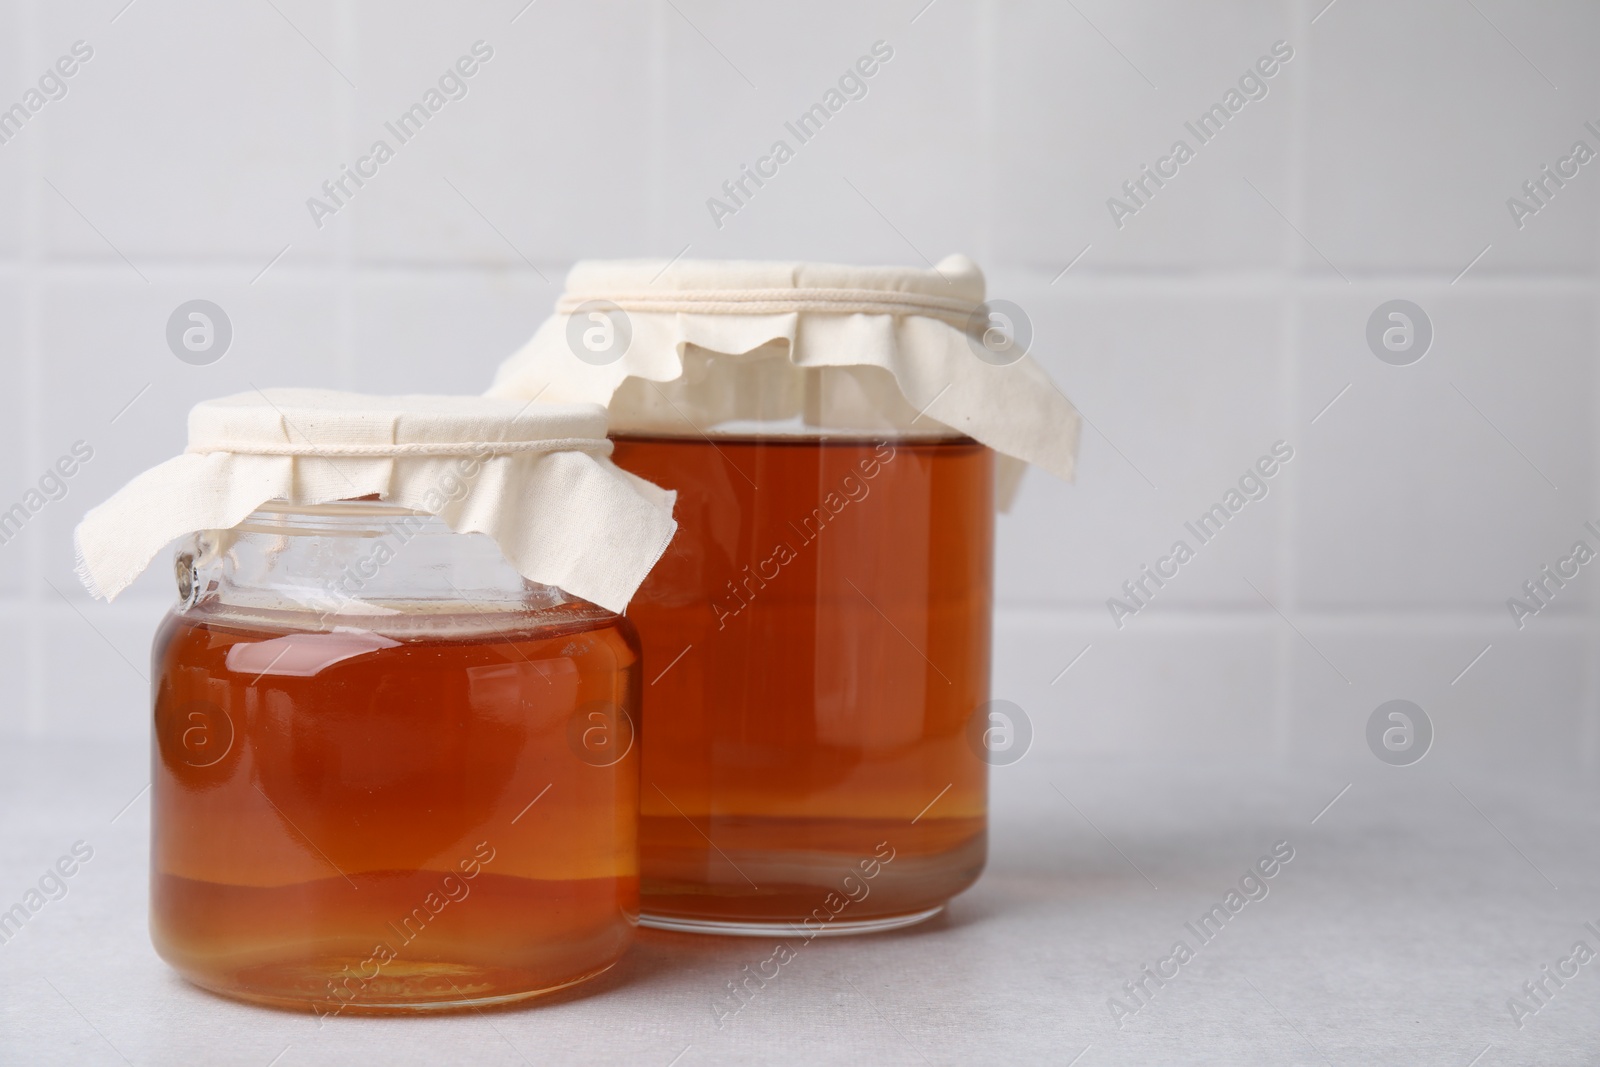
column 352, row 559
column 763, row 394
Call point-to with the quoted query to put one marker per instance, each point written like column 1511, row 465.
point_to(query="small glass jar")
column 390, row 774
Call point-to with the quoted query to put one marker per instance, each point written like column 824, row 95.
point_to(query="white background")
column 1223, row 317
column 1193, row 338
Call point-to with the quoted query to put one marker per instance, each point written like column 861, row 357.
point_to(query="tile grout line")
column 1589, row 721
column 344, row 259
column 1286, row 557
column 656, row 157
column 986, row 35
column 1159, row 280
column 31, row 294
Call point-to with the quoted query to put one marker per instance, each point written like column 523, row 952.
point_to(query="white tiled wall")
column 1223, row 317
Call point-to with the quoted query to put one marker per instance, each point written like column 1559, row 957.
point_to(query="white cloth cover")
column 540, row 482
column 912, row 324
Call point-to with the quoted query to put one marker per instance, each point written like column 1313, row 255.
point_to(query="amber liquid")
column 817, row 640
column 342, row 822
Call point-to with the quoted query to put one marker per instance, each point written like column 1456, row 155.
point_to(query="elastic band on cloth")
column 590, row 445
column 778, row 302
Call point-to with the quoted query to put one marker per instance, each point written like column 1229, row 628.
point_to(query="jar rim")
column 358, row 506
column 334, row 518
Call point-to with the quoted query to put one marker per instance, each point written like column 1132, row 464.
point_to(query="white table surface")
column 1414, row 908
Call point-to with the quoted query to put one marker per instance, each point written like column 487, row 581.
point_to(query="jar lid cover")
column 931, row 330
column 534, row 477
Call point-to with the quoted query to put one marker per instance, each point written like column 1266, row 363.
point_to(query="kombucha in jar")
column 422, row 798
column 817, row 721
column 825, row 612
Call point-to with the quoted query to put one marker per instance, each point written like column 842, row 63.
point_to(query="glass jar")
column 390, row 774
column 819, row 641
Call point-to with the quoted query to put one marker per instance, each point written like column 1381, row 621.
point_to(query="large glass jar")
column 817, row 724
column 389, row 772
column 819, row 641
